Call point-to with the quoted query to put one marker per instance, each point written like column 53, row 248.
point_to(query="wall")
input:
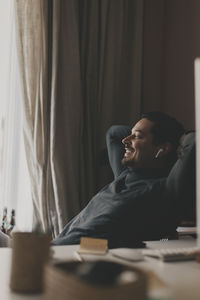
column 171, row 43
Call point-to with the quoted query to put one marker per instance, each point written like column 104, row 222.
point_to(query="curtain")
column 13, row 171
column 80, row 63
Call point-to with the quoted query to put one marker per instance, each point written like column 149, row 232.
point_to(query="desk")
column 182, row 279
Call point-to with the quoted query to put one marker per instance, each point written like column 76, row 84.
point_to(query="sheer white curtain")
column 38, row 72
column 14, row 178
column 32, row 35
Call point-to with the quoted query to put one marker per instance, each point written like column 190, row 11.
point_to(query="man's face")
column 140, row 152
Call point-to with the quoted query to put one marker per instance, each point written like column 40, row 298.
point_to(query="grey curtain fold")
column 80, row 72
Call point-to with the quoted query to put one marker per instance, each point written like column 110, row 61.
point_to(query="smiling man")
column 153, row 142
column 151, row 192
column 143, row 202
column 140, row 152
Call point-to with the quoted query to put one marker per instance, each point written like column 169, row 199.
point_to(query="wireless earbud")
column 159, row 151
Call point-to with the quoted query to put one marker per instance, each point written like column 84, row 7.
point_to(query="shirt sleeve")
column 115, row 147
column 181, row 181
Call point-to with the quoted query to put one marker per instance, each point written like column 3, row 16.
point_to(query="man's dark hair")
column 165, row 129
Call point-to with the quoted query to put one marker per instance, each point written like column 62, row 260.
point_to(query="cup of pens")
column 30, row 252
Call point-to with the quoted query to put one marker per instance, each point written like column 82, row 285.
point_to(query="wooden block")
column 93, row 246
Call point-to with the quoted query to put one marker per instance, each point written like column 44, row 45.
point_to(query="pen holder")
column 30, row 252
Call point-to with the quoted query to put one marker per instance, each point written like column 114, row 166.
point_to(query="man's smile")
column 128, row 150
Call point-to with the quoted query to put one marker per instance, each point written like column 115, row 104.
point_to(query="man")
column 145, row 201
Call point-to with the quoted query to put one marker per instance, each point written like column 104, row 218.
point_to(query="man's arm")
column 180, row 184
column 114, row 137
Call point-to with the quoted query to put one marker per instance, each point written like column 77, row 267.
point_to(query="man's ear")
column 163, row 150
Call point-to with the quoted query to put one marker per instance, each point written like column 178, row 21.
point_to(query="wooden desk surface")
column 181, row 279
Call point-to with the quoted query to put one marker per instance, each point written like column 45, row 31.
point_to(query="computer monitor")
column 197, row 122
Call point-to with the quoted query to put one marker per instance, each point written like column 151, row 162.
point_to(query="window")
column 14, row 179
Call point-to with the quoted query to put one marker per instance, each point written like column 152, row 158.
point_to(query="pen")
column 78, row 256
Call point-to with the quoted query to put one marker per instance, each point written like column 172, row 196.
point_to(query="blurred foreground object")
column 30, row 252
column 94, row 280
